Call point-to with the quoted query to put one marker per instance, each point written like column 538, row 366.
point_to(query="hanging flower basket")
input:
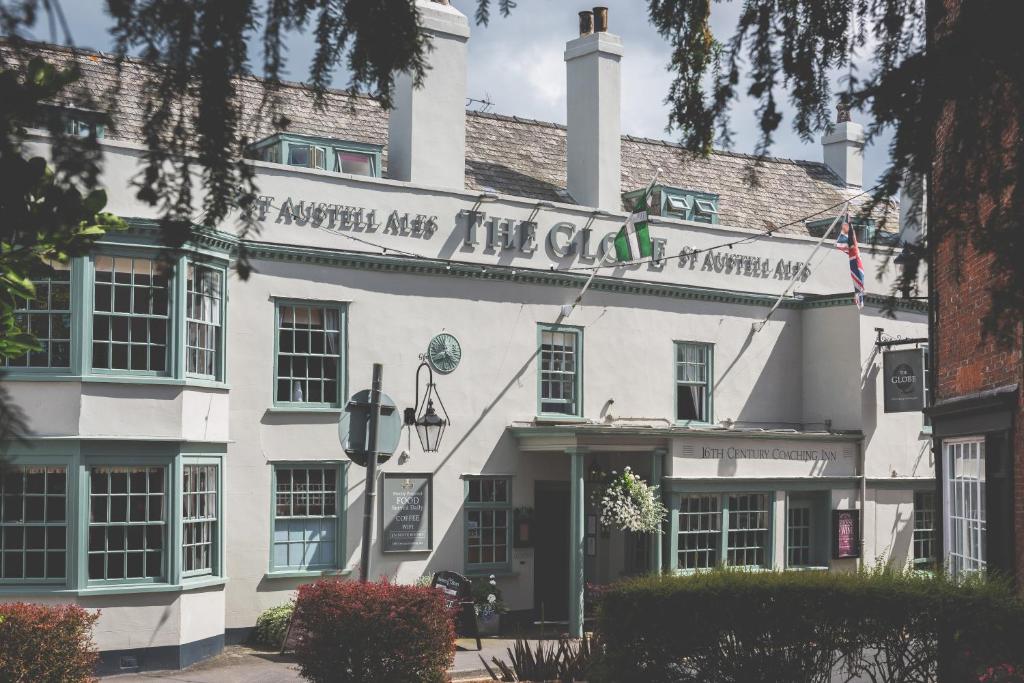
column 627, row 502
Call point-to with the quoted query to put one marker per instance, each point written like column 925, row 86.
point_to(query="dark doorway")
column 551, row 550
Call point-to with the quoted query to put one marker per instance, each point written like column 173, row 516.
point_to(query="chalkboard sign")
column 458, row 593
column 406, row 515
column 295, row 632
column 846, row 534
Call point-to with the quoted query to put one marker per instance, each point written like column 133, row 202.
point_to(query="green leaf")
column 95, row 202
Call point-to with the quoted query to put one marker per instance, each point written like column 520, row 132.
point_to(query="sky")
column 516, row 62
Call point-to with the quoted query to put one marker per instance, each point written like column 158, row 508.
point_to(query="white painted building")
column 184, row 471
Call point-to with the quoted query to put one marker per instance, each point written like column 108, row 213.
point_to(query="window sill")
column 814, row 568
column 128, row 588
column 112, row 379
column 504, row 572
column 301, row 409
column 551, row 419
column 306, row 573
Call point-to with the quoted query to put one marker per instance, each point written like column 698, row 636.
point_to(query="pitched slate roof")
column 507, row 154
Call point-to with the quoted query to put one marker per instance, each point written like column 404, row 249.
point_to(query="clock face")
column 444, row 353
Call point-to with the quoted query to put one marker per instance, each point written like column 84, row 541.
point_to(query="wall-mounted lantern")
column 429, row 425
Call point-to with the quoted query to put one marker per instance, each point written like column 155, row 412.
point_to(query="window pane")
column 33, row 532
column 558, row 372
column 130, row 330
column 308, row 354
column 693, row 381
column 353, row 162
column 305, row 517
column 126, row 536
column 699, row 532
column 48, row 317
column 487, row 520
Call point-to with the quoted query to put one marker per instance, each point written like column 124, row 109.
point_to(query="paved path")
column 239, row 664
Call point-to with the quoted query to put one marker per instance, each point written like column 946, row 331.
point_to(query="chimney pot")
column 600, row 19
column 586, row 22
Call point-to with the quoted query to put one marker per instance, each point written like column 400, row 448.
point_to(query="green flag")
column 634, row 239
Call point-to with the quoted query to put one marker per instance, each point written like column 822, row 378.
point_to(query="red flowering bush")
column 1003, row 673
column 373, row 633
column 46, row 643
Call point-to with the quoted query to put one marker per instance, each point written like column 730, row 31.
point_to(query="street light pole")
column 370, row 496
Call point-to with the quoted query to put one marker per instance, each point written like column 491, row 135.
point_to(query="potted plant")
column 488, row 605
column 627, row 502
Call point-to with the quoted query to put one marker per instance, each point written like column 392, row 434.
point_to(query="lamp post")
column 429, row 425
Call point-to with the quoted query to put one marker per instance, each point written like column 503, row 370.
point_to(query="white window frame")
column 970, row 555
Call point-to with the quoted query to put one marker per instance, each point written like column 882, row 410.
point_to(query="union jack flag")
column 847, row 243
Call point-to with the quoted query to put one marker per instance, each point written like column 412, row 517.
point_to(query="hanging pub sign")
column 845, row 534
column 903, row 373
column 406, row 517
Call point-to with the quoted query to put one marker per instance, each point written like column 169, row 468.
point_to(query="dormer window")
column 689, row 205
column 353, row 158
column 867, row 230
column 77, row 122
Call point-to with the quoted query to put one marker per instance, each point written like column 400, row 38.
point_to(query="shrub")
column 798, row 626
column 570, row 661
column 271, row 626
column 373, row 633
column 46, row 643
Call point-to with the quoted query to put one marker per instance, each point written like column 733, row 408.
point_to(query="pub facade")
column 184, row 470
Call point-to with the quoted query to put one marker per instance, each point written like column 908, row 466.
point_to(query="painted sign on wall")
column 903, row 375
column 407, row 513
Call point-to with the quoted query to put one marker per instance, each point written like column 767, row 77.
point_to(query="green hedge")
column 271, row 626
column 736, row 626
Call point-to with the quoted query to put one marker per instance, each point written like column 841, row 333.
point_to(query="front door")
column 551, row 550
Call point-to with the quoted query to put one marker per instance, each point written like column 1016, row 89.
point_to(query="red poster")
column 846, row 532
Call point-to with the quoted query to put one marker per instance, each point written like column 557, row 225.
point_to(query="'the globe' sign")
column 903, row 374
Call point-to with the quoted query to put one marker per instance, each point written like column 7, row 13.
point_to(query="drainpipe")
column 863, row 503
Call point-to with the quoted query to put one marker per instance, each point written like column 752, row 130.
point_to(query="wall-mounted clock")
column 444, row 353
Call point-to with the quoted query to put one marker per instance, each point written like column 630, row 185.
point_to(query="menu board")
column 846, row 534
column 406, row 517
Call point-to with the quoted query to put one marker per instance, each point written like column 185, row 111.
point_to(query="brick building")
column 978, row 406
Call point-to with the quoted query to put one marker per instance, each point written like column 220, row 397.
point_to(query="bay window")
column 130, row 315
column 127, row 533
column 48, row 317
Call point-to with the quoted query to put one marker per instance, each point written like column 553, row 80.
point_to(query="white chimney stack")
column 843, row 149
column 427, row 127
column 593, row 135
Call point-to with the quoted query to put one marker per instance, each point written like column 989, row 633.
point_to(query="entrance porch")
column 571, row 550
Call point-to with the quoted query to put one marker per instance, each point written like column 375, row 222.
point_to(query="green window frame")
column 305, row 151
column 730, row 529
column 309, row 354
column 694, row 382
column 560, row 370
column 132, row 316
column 48, row 317
column 204, row 316
column 924, row 530
column 34, row 539
column 128, row 527
column 200, row 518
column 308, row 516
column 798, row 534
column 487, row 515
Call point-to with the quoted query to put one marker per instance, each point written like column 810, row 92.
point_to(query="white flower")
column 492, row 598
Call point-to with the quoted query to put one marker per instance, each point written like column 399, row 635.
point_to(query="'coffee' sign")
column 903, row 374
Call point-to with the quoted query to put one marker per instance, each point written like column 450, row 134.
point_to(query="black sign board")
column 406, row 517
column 458, row 594
column 903, row 374
column 845, row 534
